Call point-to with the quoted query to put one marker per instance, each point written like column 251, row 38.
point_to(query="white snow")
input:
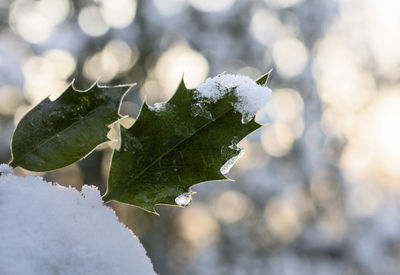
column 159, row 106
column 5, row 169
column 251, row 96
column 48, row 229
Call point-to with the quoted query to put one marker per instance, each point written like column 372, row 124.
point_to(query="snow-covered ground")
column 48, row 229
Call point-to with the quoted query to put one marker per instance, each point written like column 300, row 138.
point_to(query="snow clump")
column 5, row 169
column 48, row 229
column 251, row 96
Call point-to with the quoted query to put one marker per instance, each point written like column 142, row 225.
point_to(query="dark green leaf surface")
column 57, row 133
column 170, row 148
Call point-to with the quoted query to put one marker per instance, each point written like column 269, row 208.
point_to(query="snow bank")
column 251, row 96
column 48, row 229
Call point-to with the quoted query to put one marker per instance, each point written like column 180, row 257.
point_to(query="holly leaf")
column 175, row 145
column 57, row 133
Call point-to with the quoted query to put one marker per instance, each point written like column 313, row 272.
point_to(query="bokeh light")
column 283, row 3
column 290, row 56
column 116, row 57
column 63, row 62
column 12, row 98
column 47, row 74
column 177, row 62
column 169, row 8
column 374, row 149
column 212, row 6
column 198, row 226
column 277, row 139
column 34, row 21
column 91, row 21
column 232, row 206
column 118, row 13
column 282, row 219
column 266, row 26
column 285, row 109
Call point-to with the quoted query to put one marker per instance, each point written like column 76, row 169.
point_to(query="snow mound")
column 5, row 169
column 251, row 96
column 48, row 229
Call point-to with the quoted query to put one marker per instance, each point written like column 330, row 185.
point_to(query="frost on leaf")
column 184, row 141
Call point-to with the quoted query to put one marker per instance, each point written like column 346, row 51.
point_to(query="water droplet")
column 247, row 117
column 229, row 164
column 184, row 199
column 235, row 141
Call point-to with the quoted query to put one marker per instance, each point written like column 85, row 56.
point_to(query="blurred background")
column 317, row 191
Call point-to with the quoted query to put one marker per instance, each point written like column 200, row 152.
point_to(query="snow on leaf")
column 251, row 96
column 57, row 133
column 182, row 142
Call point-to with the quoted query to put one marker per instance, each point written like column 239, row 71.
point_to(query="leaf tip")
column 145, row 106
column 149, row 209
column 182, row 83
column 221, row 74
column 72, row 84
column 227, row 178
column 262, row 80
column 154, row 212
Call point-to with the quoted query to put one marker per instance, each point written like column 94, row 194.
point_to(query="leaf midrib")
column 176, row 145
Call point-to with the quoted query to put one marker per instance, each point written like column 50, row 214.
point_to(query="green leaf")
column 57, row 133
column 173, row 146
